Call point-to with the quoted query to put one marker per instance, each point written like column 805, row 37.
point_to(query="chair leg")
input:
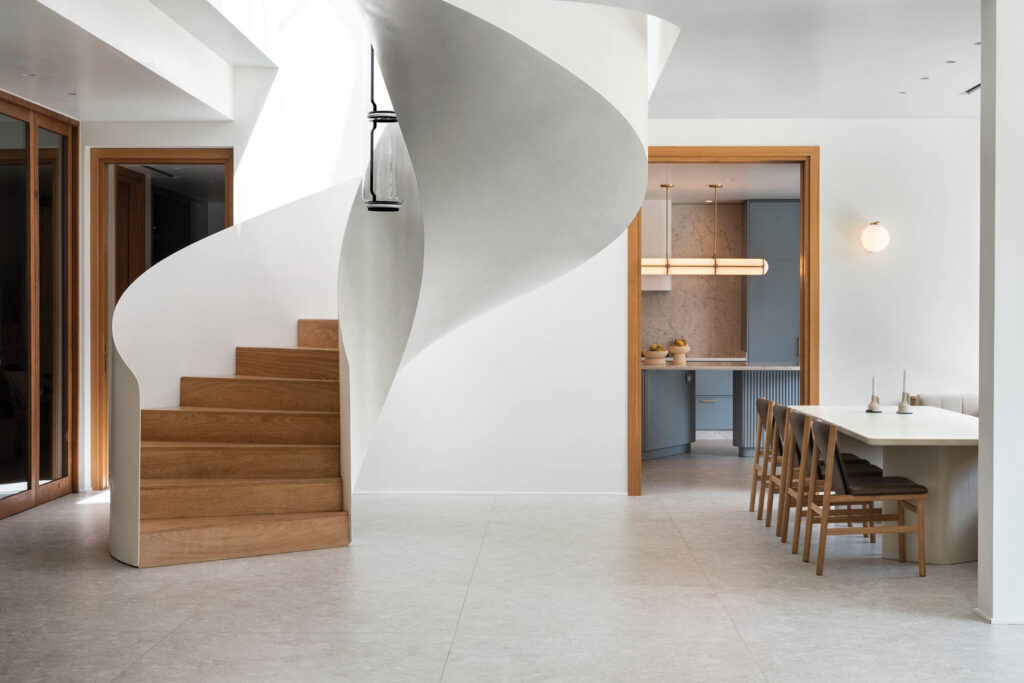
column 920, row 538
column 763, row 485
column 809, row 530
column 753, row 478
column 822, row 538
column 771, row 497
column 783, row 524
column 871, row 507
column 798, row 515
column 903, row 536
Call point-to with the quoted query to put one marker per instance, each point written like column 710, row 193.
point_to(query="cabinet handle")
column 708, row 400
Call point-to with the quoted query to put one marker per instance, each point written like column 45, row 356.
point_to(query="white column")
column 1001, row 447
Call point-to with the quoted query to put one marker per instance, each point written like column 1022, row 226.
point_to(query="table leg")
column 951, row 517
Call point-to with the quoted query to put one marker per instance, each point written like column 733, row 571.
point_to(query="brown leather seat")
column 882, row 486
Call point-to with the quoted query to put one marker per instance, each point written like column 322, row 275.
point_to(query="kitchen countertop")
column 741, row 366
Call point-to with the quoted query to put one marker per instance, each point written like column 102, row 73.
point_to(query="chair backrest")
column 822, row 432
column 779, row 423
column 797, row 421
column 764, row 411
column 958, row 403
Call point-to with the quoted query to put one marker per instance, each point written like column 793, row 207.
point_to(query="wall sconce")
column 875, row 237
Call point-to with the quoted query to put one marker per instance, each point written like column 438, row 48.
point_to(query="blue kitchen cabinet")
column 773, row 300
column 668, row 413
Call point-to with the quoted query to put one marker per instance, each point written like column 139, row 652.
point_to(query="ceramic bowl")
column 654, row 354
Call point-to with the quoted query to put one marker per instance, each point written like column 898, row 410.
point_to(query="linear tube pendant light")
column 701, row 266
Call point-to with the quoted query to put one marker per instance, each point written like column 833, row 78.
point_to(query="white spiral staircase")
column 525, row 158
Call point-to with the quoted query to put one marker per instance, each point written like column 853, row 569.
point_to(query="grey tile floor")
column 681, row 584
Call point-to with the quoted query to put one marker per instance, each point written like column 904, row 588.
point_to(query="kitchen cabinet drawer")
column 714, row 382
column 714, row 412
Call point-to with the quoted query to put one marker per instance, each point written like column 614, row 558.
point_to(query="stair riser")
column 242, row 540
column 283, row 394
column 295, row 363
column 249, row 499
column 229, row 427
column 239, row 463
column 321, row 334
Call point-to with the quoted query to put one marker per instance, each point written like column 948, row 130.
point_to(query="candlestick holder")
column 875, row 405
column 905, row 407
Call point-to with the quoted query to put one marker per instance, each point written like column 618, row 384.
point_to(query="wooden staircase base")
column 249, row 464
column 199, row 539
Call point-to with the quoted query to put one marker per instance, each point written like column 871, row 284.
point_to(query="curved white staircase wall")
column 525, row 172
column 246, row 285
column 378, row 288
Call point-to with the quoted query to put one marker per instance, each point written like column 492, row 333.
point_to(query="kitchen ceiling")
column 740, row 182
column 818, row 58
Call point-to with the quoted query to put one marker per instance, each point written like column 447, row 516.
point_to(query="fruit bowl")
column 679, row 353
column 654, row 354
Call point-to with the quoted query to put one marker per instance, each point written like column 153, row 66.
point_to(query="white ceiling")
column 740, row 181
column 818, row 58
column 65, row 59
column 199, row 181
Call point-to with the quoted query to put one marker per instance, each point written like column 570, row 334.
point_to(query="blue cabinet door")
column 714, row 412
column 667, row 409
column 773, row 300
column 773, row 228
column 773, row 314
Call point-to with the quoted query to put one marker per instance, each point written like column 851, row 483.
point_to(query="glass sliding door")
column 53, row 463
column 15, row 433
column 38, row 361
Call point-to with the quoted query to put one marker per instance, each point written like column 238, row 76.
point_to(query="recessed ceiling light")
column 28, row 75
column 73, row 94
column 925, row 78
column 902, row 92
column 950, row 61
column 707, row 201
column 978, row 43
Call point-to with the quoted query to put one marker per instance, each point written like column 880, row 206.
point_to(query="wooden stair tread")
column 156, row 525
column 150, row 484
column 214, row 409
column 241, row 445
column 318, row 349
column 261, row 378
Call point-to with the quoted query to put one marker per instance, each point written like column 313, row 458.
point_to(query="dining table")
column 934, row 447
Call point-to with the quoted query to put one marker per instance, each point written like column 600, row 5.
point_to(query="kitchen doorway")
column 806, row 158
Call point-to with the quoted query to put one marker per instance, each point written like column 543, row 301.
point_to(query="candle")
column 904, row 381
column 874, row 390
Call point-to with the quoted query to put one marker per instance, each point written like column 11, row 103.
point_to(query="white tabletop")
column 927, row 426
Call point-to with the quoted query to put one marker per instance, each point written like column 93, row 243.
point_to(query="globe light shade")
column 875, row 237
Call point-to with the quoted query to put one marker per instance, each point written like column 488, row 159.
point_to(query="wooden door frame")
column 37, row 117
column 100, row 160
column 808, row 158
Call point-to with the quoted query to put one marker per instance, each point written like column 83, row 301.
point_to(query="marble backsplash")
column 705, row 310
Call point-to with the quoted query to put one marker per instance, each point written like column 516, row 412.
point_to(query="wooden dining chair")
column 778, row 467
column 796, row 483
column 841, row 488
column 761, row 425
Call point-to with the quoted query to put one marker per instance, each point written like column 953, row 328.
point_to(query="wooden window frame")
column 808, row 158
column 100, row 159
column 39, row 117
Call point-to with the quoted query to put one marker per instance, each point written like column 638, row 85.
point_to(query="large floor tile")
column 569, row 657
column 303, row 657
column 29, row 655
